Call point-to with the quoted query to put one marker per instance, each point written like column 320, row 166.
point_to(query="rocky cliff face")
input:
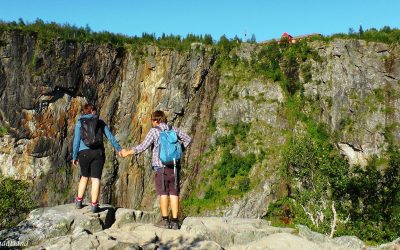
column 43, row 86
column 357, row 90
column 354, row 89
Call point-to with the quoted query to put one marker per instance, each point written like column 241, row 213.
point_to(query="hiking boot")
column 174, row 225
column 94, row 208
column 164, row 223
column 78, row 204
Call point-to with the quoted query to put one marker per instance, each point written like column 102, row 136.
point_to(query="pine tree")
column 253, row 39
column 360, row 31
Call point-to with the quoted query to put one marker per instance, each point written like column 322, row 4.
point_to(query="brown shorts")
column 169, row 181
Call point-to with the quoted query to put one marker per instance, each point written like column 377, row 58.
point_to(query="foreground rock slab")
column 231, row 231
column 130, row 236
column 64, row 227
column 50, row 222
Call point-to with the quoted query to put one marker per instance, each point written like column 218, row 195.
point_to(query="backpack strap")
column 169, row 128
column 163, row 167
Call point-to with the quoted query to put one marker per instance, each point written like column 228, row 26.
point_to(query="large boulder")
column 50, row 222
column 130, row 236
column 344, row 242
column 125, row 216
column 231, row 231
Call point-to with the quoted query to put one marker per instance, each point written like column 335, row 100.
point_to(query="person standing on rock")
column 166, row 143
column 88, row 150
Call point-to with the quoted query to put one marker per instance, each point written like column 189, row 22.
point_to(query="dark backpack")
column 170, row 147
column 91, row 131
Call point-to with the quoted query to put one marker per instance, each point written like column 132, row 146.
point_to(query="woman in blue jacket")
column 88, row 150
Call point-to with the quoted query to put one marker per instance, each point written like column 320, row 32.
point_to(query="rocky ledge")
column 64, row 227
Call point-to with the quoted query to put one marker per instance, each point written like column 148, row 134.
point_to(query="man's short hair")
column 159, row 116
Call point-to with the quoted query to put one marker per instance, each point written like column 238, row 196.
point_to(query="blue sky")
column 266, row 19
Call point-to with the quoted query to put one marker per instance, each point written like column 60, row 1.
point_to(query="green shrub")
column 319, row 178
column 374, row 197
column 3, row 131
column 306, row 72
column 212, row 125
column 232, row 165
column 15, row 202
column 229, row 176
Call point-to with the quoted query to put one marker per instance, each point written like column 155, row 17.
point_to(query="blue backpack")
column 170, row 147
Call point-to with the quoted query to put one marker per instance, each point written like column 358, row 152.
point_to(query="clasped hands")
column 125, row 152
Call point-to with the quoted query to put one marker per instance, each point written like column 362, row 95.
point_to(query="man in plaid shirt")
column 165, row 175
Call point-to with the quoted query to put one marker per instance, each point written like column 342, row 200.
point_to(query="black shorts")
column 91, row 162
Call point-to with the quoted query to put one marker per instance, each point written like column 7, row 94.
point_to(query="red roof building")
column 289, row 37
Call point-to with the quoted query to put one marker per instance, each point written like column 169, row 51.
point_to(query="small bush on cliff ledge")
column 3, row 131
column 15, row 201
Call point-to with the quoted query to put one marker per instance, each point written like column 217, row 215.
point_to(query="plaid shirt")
column 152, row 139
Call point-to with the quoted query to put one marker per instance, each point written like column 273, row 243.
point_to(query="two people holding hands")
column 91, row 160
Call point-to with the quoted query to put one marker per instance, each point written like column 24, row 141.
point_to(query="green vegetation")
column 373, row 201
column 278, row 62
column 71, row 33
column 322, row 190
column 224, row 50
column 3, row 131
column 321, row 183
column 306, row 72
column 228, row 178
column 212, row 126
column 49, row 31
column 384, row 35
column 15, row 201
